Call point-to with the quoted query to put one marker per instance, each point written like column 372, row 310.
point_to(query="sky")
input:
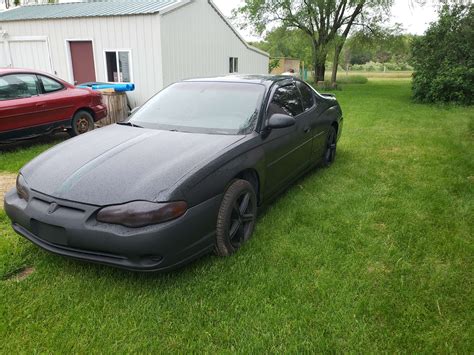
column 414, row 18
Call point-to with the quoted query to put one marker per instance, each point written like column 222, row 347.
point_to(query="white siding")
column 4, row 62
column 196, row 41
column 139, row 33
column 30, row 54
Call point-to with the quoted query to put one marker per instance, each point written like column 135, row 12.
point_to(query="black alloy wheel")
column 331, row 145
column 236, row 218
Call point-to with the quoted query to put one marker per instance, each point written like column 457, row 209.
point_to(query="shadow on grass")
column 54, row 138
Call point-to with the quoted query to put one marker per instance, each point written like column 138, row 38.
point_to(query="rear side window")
column 306, row 95
column 18, row 86
column 50, row 85
column 286, row 100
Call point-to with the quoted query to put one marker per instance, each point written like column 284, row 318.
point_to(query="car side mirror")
column 279, row 120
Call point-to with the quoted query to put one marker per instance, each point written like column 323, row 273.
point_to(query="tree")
column 319, row 20
column 443, row 59
column 281, row 42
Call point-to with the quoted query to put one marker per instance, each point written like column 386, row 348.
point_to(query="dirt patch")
column 20, row 274
column 7, row 181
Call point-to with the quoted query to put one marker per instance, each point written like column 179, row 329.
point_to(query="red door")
column 20, row 103
column 82, row 58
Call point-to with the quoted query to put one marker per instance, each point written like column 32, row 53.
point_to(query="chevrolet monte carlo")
column 184, row 176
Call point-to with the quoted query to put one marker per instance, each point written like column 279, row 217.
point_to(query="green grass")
column 352, row 79
column 374, row 254
column 14, row 156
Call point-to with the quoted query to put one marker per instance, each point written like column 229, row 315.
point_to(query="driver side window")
column 18, row 86
column 286, row 100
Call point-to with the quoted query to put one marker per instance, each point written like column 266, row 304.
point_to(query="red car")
column 34, row 103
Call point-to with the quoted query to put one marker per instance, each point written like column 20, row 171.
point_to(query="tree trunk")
column 335, row 65
column 320, row 71
column 319, row 56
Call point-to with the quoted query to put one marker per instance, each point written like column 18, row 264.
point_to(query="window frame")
column 38, row 88
column 272, row 94
column 301, row 82
column 40, row 84
column 233, row 65
column 130, row 65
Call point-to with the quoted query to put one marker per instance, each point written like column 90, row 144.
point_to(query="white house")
column 150, row 43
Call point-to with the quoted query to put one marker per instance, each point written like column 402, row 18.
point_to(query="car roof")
column 266, row 80
column 4, row 71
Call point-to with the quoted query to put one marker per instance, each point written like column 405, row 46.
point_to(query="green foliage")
column 321, row 21
column 443, row 59
column 385, row 46
column 273, row 63
column 283, row 42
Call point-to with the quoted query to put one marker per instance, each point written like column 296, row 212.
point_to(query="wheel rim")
column 330, row 153
column 82, row 125
column 241, row 219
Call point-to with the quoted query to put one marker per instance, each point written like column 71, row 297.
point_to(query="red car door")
column 58, row 101
column 20, row 104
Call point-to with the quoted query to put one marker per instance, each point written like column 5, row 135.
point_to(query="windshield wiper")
column 128, row 123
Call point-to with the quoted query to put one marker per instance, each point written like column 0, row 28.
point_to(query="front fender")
column 213, row 178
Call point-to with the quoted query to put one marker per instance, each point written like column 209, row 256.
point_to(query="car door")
column 56, row 100
column 313, row 114
column 287, row 150
column 20, row 106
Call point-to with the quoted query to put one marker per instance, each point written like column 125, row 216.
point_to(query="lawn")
column 374, row 254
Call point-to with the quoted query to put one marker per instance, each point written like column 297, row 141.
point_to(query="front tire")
column 331, row 145
column 236, row 218
column 82, row 122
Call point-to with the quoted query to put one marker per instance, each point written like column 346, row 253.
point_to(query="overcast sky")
column 414, row 18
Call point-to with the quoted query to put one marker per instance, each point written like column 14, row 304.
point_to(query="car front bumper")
column 70, row 229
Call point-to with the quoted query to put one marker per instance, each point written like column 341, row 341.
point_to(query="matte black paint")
column 119, row 164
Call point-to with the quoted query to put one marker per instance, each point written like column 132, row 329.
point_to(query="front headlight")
column 142, row 213
column 22, row 187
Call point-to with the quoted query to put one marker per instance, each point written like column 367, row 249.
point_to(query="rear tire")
column 236, row 218
column 330, row 150
column 82, row 122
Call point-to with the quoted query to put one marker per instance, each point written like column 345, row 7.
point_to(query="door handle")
column 307, row 129
column 41, row 105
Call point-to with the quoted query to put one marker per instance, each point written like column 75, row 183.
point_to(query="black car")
column 183, row 177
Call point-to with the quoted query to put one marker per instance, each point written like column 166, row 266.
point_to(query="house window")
column 118, row 66
column 233, row 65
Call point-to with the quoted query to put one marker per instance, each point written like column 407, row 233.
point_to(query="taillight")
column 97, row 99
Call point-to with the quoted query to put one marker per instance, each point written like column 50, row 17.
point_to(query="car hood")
column 119, row 164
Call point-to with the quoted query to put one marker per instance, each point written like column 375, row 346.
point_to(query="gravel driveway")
column 7, row 181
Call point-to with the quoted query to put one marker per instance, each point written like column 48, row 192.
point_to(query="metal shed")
column 150, row 43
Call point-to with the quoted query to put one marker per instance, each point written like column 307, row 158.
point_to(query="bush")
column 352, row 79
column 443, row 59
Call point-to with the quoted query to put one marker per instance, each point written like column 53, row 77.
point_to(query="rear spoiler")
column 329, row 95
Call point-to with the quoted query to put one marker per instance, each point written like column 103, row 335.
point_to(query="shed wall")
column 197, row 42
column 136, row 33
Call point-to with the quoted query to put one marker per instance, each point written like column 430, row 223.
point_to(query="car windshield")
column 203, row 107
